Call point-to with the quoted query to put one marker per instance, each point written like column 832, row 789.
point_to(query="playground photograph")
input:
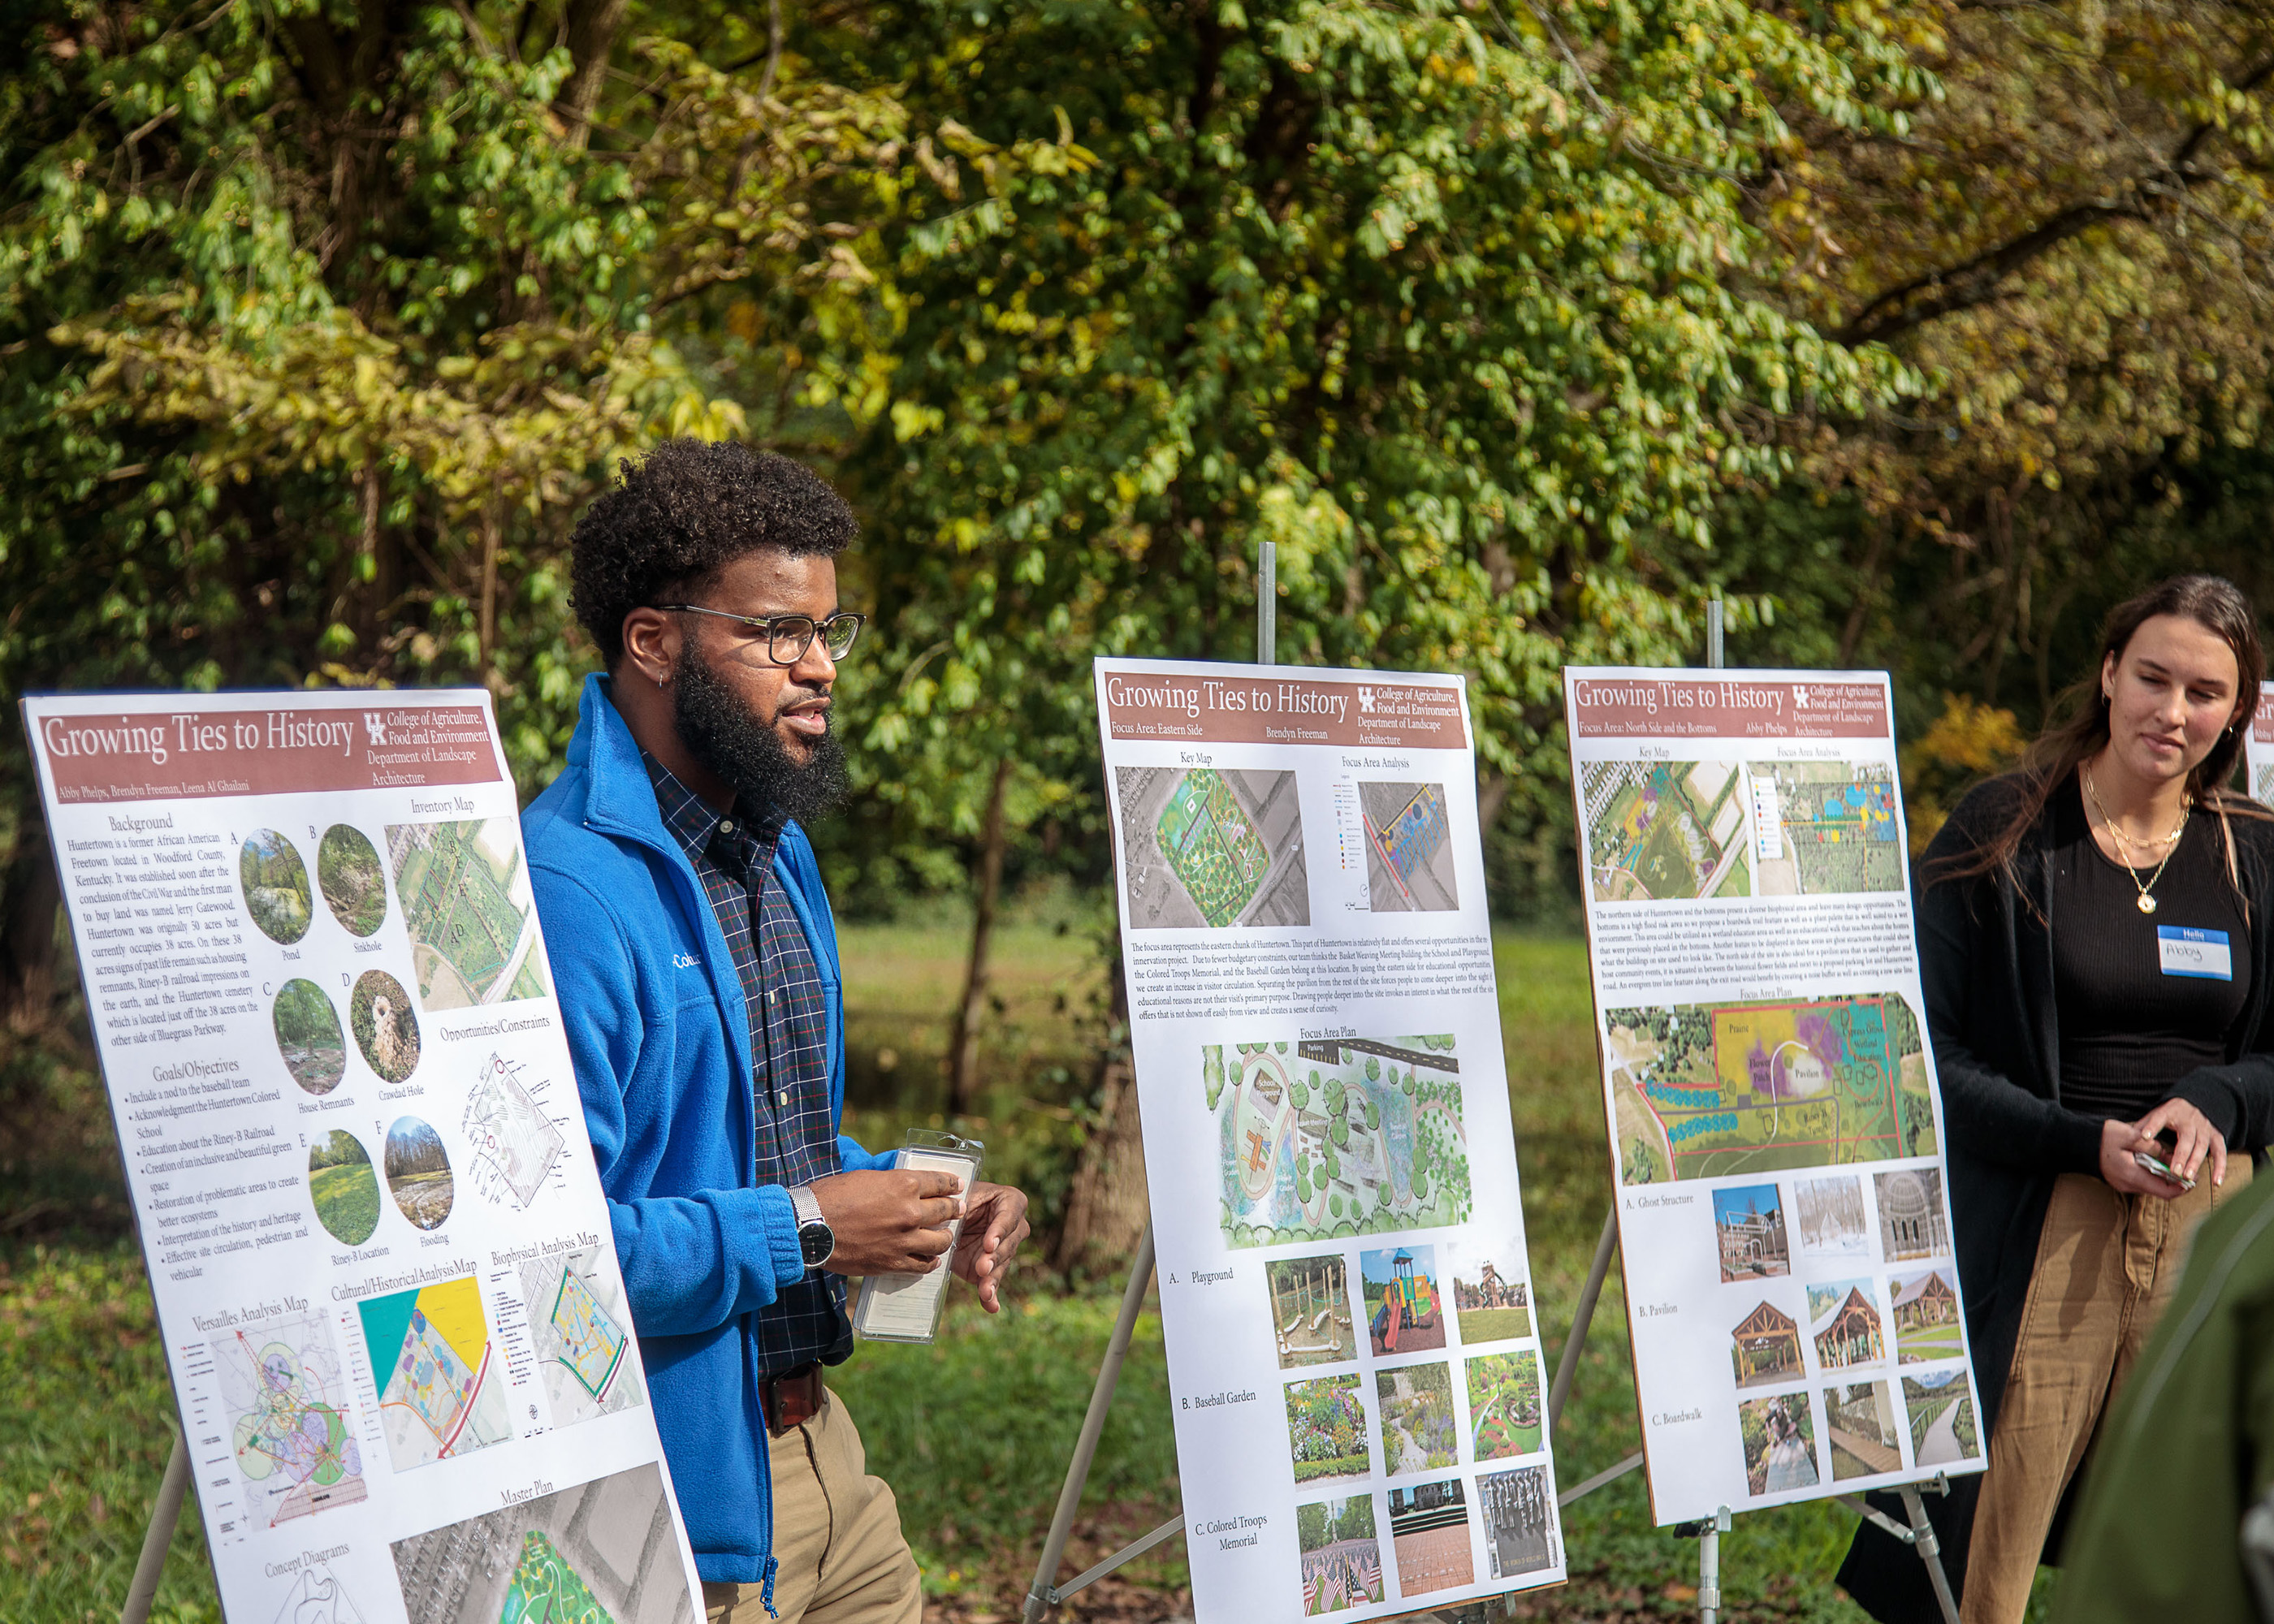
column 1503, row 1405
column 1310, row 1321
column 1417, row 1419
column 1493, row 1307
column 1326, row 1430
column 1405, row 1311
column 1342, row 1554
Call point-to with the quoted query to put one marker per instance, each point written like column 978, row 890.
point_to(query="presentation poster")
column 2258, row 750
column 381, row 1258
column 1353, row 1347
column 1776, row 1130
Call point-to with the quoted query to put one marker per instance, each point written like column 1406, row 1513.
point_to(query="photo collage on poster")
column 1768, row 1086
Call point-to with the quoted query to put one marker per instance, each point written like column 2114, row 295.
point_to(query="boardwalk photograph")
column 1859, row 1423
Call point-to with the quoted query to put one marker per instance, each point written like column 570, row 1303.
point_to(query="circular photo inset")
column 385, row 1028
column 275, row 883
column 419, row 1172
column 343, row 1187
column 347, row 868
column 308, row 1036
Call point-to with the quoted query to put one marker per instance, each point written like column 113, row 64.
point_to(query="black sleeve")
column 2238, row 1100
column 1969, row 985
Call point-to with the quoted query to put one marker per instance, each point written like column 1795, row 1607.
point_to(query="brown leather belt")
column 792, row 1398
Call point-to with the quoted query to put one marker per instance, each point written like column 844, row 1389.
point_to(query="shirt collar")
column 696, row 825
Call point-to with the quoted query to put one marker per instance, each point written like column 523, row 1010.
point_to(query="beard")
column 748, row 755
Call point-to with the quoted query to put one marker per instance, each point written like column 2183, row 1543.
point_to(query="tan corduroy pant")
column 836, row 1535
column 2106, row 1264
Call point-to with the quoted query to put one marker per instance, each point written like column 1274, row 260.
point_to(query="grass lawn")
column 1494, row 1324
column 347, row 1201
column 972, row 1432
column 1929, row 1341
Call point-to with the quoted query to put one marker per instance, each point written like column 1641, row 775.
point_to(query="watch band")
column 812, row 1228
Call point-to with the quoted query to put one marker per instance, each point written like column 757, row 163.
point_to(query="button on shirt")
column 793, row 1126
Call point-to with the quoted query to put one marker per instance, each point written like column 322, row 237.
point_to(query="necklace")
column 2170, row 843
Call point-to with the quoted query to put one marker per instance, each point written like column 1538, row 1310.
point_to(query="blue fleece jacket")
column 658, row 1030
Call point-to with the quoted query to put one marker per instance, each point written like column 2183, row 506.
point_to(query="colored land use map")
column 1658, row 830
column 1829, row 827
column 1702, row 1091
column 1409, row 853
column 1210, row 849
column 1337, row 1138
column 516, row 1144
column 295, row 1446
column 466, row 901
column 579, row 1328
column 438, row 1396
column 599, row 1553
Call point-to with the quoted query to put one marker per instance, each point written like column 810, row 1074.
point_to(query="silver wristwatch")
column 815, row 1239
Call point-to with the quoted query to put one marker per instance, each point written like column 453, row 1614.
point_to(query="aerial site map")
column 1339, row 1137
column 1409, row 853
column 1701, row 1091
column 1832, row 825
column 465, row 896
column 1208, row 849
column 1662, row 830
column 287, row 1403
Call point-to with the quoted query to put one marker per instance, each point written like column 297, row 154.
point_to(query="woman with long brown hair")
column 2096, row 944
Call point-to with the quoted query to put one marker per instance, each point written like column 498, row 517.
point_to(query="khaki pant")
column 837, row 1535
column 2106, row 1265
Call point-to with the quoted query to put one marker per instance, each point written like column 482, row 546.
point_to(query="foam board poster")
column 1776, row 1130
column 1353, row 1349
column 375, row 1234
column 2258, row 749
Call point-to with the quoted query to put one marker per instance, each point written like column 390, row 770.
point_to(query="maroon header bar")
column 1684, row 707
column 166, row 753
column 1244, row 710
column 2261, row 725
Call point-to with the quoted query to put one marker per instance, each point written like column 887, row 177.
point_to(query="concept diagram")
column 1409, row 851
column 295, row 1447
column 1337, row 1138
column 577, row 1321
column 1204, row 849
column 598, row 1554
column 317, row 1597
column 1701, row 1091
column 1661, row 830
column 439, row 1396
column 516, row 1144
column 1826, row 827
column 466, row 902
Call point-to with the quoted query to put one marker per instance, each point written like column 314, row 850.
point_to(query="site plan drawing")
column 1701, row 1091
column 1329, row 1157
column 465, row 898
column 1826, row 827
column 514, row 1142
column 1349, row 1138
column 1203, row 848
column 1663, row 828
column 1774, row 1112
column 578, row 1323
column 290, row 1427
column 1409, row 857
column 431, row 1351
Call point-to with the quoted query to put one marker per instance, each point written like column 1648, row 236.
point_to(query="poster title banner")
column 1692, row 705
column 2261, row 725
column 1207, row 705
column 298, row 744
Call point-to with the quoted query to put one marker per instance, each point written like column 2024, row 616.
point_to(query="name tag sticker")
column 2203, row 954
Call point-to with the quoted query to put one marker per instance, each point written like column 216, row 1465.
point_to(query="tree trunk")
column 27, row 929
column 1106, row 1209
column 963, row 1044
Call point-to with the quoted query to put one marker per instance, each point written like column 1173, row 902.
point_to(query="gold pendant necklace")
column 2170, row 842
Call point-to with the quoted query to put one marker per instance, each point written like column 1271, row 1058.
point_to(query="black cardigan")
column 1985, row 956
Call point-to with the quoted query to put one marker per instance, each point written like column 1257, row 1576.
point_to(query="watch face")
column 816, row 1242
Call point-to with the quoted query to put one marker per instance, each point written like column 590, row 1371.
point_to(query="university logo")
column 374, row 726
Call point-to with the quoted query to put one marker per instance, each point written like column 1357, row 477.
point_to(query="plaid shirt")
column 794, row 1130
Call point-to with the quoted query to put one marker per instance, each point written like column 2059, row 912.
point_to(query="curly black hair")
column 684, row 511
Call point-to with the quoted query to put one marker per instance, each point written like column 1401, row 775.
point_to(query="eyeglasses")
column 788, row 636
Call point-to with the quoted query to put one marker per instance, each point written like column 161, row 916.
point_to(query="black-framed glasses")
column 788, row 636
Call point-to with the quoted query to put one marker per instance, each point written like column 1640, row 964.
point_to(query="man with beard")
column 693, row 949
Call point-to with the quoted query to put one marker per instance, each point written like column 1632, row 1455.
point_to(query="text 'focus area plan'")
column 1353, row 1349
column 384, row 1268
column 1776, row 1130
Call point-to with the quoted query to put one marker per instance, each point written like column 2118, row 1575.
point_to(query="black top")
column 2129, row 1029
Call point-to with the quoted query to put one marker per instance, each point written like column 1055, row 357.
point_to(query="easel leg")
column 1085, row 1449
column 160, row 1534
column 1930, row 1550
column 1567, row 1364
column 1709, row 1565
